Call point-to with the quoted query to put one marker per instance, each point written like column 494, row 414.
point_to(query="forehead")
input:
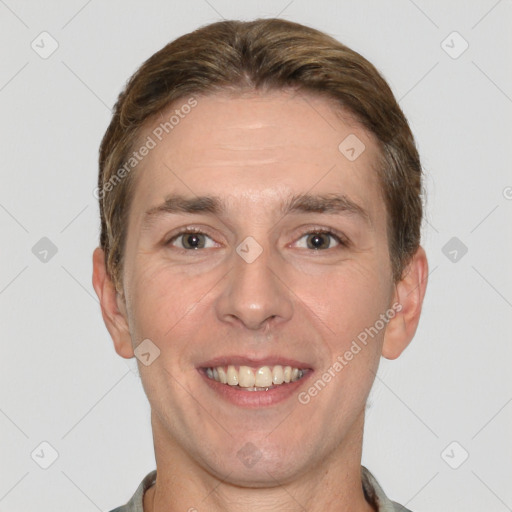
column 257, row 148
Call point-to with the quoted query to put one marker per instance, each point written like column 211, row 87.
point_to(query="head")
column 288, row 156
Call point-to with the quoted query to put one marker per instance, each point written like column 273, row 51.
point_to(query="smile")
column 263, row 378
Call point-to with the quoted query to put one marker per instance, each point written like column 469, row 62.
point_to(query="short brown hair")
column 262, row 54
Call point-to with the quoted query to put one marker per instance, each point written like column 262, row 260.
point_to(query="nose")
column 255, row 295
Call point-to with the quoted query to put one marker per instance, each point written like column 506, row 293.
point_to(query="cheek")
column 350, row 300
column 152, row 300
column 349, row 314
column 166, row 306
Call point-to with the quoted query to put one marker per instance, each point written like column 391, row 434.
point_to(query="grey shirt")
column 372, row 491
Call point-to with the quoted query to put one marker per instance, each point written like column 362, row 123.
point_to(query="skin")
column 254, row 151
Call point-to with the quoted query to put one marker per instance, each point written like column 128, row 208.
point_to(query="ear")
column 112, row 304
column 409, row 293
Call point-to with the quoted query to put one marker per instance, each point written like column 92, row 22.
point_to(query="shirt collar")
column 376, row 496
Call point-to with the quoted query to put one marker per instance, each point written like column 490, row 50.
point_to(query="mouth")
column 254, row 384
column 262, row 378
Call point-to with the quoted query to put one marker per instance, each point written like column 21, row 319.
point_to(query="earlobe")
column 113, row 312
column 409, row 294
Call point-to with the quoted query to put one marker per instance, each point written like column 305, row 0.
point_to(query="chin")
column 260, row 463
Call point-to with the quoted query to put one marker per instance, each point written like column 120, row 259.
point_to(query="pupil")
column 192, row 241
column 316, row 241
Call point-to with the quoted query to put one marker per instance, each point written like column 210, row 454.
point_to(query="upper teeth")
column 262, row 377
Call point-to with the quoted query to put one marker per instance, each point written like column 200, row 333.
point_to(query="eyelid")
column 339, row 236
column 185, row 231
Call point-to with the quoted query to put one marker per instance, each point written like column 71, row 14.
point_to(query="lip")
column 254, row 362
column 255, row 399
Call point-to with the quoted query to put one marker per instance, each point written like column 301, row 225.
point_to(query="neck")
column 184, row 485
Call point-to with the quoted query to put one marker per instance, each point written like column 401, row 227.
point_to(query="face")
column 271, row 253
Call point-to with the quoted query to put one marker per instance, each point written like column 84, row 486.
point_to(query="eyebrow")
column 299, row 203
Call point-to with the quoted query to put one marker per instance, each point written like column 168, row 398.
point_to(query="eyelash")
column 341, row 239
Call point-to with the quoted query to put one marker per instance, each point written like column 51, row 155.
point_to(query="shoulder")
column 376, row 496
column 136, row 503
column 399, row 508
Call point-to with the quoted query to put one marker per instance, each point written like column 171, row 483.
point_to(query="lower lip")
column 255, row 399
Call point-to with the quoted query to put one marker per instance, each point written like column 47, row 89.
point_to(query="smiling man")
column 260, row 199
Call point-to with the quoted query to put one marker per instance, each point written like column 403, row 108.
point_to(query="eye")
column 191, row 239
column 321, row 240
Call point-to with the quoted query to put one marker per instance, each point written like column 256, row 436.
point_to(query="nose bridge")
column 254, row 293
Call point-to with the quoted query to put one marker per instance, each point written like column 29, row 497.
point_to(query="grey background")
column 61, row 381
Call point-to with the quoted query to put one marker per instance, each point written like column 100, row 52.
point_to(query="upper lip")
column 238, row 360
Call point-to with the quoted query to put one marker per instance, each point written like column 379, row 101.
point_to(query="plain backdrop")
column 438, row 426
